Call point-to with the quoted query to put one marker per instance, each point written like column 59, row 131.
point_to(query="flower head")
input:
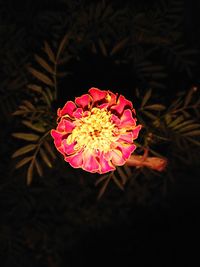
column 96, row 131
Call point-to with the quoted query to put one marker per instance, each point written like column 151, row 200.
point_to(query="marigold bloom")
column 96, row 132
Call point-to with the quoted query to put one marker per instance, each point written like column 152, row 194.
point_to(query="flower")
column 96, row 131
column 155, row 163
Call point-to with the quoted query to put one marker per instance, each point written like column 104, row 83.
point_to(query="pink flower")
column 96, row 131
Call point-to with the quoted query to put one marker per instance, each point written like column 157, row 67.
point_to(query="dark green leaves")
column 26, row 136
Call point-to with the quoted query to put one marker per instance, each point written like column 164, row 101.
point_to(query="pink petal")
column 97, row 94
column 127, row 119
column 136, row 131
column 78, row 113
column 68, row 108
column 115, row 120
column 90, row 163
column 68, row 149
column 128, row 138
column 122, row 102
column 126, row 150
column 76, row 160
column 105, row 166
column 65, row 126
column 111, row 98
column 57, row 136
column 83, row 101
column 116, row 157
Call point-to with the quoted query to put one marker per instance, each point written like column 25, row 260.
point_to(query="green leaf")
column 49, row 52
column 192, row 133
column 176, row 121
column 117, row 182
column 18, row 112
column 103, row 188
column 102, row 178
column 149, row 114
column 146, row 97
column 45, row 158
column 44, row 64
column 49, row 149
column 118, row 46
column 103, row 47
column 46, row 98
column 127, row 170
column 188, row 97
column 63, row 44
column 35, row 88
column 122, row 175
column 40, row 76
column 183, row 124
column 30, row 173
column 37, row 126
column 157, row 107
column 50, row 95
column 38, row 168
column 26, row 136
column 190, row 127
column 23, row 162
column 28, row 104
column 24, row 150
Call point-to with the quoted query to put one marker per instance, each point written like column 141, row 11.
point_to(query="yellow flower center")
column 94, row 132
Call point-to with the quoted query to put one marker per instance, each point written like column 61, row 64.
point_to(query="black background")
column 68, row 226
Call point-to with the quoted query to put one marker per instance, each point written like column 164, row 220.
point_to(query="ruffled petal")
column 122, row 102
column 116, row 157
column 126, row 150
column 115, row 120
column 111, row 98
column 76, row 161
column 90, row 163
column 58, row 137
column 68, row 148
column 65, row 126
column 68, row 109
column 78, row 113
column 97, row 94
column 128, row 138
column 127, row 119
column 105, row 165
column 83, row 101
column 136, row 131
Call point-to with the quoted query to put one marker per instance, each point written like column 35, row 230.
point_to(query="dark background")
column 58, row 221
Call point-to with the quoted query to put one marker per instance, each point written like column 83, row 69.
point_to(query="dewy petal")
column 127, row 119
column 97, row 94
column 83, row 101
column 90, row 163
column 65, row 126
column 122, row 102
column 76, row 161
column 68, row 109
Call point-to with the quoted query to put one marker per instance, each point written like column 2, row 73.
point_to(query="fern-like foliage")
column 36, row 112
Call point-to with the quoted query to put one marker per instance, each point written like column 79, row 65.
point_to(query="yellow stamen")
column 94, row 132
